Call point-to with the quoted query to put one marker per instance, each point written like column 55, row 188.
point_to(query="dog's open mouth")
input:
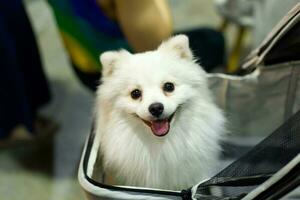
column 160, row 127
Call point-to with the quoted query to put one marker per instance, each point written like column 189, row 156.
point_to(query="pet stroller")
column 258, row 102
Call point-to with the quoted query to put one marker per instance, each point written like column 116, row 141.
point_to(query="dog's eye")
column 135, row 94
column 168, row 87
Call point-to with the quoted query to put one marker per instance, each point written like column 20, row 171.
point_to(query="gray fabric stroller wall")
column 266, row 97
column 272, row 81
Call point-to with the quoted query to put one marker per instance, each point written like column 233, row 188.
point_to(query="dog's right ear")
column 179, row 45
column 109, row 60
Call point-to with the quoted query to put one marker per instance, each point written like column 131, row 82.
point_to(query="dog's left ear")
column 109, row 60
column 178, row 44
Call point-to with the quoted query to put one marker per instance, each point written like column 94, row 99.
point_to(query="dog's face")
column 152, row 86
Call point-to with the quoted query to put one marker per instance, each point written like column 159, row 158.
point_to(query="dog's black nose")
column 156, row 109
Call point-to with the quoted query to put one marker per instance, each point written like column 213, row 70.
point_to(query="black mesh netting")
column 262, row 161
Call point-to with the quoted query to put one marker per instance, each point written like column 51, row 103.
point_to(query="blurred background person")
column 90, row 27
column 23, row 85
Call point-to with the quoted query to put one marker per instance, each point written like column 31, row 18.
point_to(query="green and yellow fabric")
column 87, row 32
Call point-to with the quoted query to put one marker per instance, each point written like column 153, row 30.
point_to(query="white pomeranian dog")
column 156, row 120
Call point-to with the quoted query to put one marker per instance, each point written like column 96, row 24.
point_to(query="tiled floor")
column 47, row 171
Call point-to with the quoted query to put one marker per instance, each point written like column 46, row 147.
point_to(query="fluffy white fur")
column 131, row 152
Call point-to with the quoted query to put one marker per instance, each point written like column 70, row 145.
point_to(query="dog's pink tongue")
column 160, row 128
